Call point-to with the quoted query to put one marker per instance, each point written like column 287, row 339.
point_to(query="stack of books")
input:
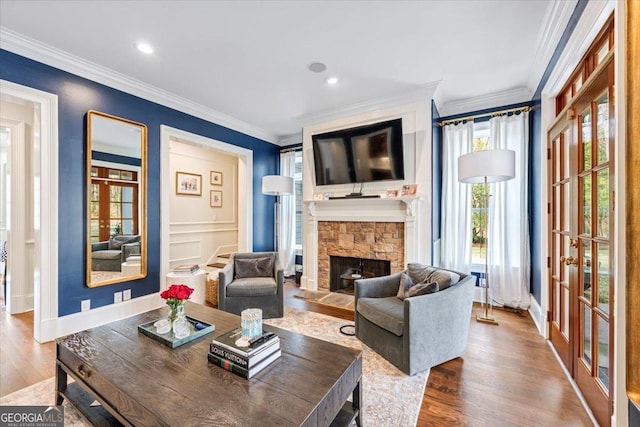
column 186, row 269
column 230, row 352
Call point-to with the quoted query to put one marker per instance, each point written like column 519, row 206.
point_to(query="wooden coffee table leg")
column 61, row 384
column 357, row 402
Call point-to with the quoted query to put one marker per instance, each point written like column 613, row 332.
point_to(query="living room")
column 33, row 62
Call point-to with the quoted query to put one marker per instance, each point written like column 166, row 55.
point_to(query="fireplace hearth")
column 344, row 271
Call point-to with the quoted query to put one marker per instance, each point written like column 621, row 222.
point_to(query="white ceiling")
column 248, row 59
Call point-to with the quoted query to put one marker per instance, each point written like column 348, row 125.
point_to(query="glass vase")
column 180, row 324
column 175, row 310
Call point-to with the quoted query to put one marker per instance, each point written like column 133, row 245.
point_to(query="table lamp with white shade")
column 485, row 167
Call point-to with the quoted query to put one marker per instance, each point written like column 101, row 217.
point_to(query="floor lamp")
column 485, row 167
column 277, row 185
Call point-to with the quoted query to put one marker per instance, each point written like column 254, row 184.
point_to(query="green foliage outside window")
column 478, row 212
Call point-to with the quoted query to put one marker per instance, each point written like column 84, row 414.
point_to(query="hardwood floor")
column 22, row 360
column 508, row 376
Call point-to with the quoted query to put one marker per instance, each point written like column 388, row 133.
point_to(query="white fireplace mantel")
column 400, row 209
column 395, row 209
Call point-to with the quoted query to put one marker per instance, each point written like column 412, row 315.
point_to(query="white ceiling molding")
column 41, row 52
column 287, row 140
column 554, row 24
column 593, row 18
column 467, row 105
column 437, row 99
column 422, row 93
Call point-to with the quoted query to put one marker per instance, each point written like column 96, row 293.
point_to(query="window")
column 297, row 188
column 478, row 212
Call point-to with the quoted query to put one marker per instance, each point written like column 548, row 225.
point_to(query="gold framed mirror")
column 116, row 199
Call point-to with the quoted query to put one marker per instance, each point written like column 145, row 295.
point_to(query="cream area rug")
column 334, row 299
column 390, row 398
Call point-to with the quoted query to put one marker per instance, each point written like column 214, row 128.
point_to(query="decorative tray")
column 169, row 340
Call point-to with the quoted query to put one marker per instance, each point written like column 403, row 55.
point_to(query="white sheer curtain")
column 287, row 214
column 455, row 238
column 508, row 249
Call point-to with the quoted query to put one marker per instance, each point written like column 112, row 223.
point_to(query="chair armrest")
column 99, row 246
column 225, row 276
column 442, row 315
column 129, row 249
column 279, row 275
column 377, row 287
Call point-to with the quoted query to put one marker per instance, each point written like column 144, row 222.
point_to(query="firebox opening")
column 344, row 271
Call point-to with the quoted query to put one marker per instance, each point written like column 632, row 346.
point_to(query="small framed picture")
column 215, row 199
column 189, row 184
column 409, row 189
column 318, row 196
column 392, row 193
column 216, row 178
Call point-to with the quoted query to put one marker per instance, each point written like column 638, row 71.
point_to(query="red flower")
column 177, row 292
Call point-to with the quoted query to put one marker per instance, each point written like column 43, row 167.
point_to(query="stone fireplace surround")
column 372, row 240
column 380, row 228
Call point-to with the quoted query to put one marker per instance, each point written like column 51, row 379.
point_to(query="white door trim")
column 245, row 188
column 45, row 203
column 19, row 285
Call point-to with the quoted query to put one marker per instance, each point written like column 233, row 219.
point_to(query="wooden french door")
column 114, row 207
column 581, row 241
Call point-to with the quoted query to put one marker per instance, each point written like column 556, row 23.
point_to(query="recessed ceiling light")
column 144, row 47
column 331, row 80
column 317, row 67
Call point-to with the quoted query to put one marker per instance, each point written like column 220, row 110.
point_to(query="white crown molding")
column 422, row 93
column 292, row 139
column 437, row 99
column 41, row 52
column 496, row 99
column 593, row 18
column 553, row 26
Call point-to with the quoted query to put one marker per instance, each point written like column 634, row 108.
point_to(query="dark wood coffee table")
column 139, row 381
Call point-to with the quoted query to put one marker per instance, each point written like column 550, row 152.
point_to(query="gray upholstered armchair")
column 110, row 254
column 418, row 332
column 252, row 280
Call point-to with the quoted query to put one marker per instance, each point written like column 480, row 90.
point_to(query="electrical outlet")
column 85, row 305
column 117, row 297
column 126, row 295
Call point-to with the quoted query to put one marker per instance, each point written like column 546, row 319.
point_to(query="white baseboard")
column 77, row 322
column 48, row 330
column 308, row 284
column 21, row 303
column 575, row 387
column 535, row 311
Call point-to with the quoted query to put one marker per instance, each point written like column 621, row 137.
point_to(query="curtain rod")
column 492, row 114
column 286, row 150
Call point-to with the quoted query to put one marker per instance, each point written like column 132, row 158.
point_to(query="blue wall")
column 76, row 96
column 537, row 210
column 436, row 173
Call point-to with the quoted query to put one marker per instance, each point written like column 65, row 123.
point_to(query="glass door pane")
column 603, row 352
column 603, row 277
column 586, row 335
column 602, row 220
column 602, row 131
column 585, row 122
column 585, row 188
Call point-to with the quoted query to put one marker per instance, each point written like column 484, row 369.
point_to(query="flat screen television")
column 361, row 154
